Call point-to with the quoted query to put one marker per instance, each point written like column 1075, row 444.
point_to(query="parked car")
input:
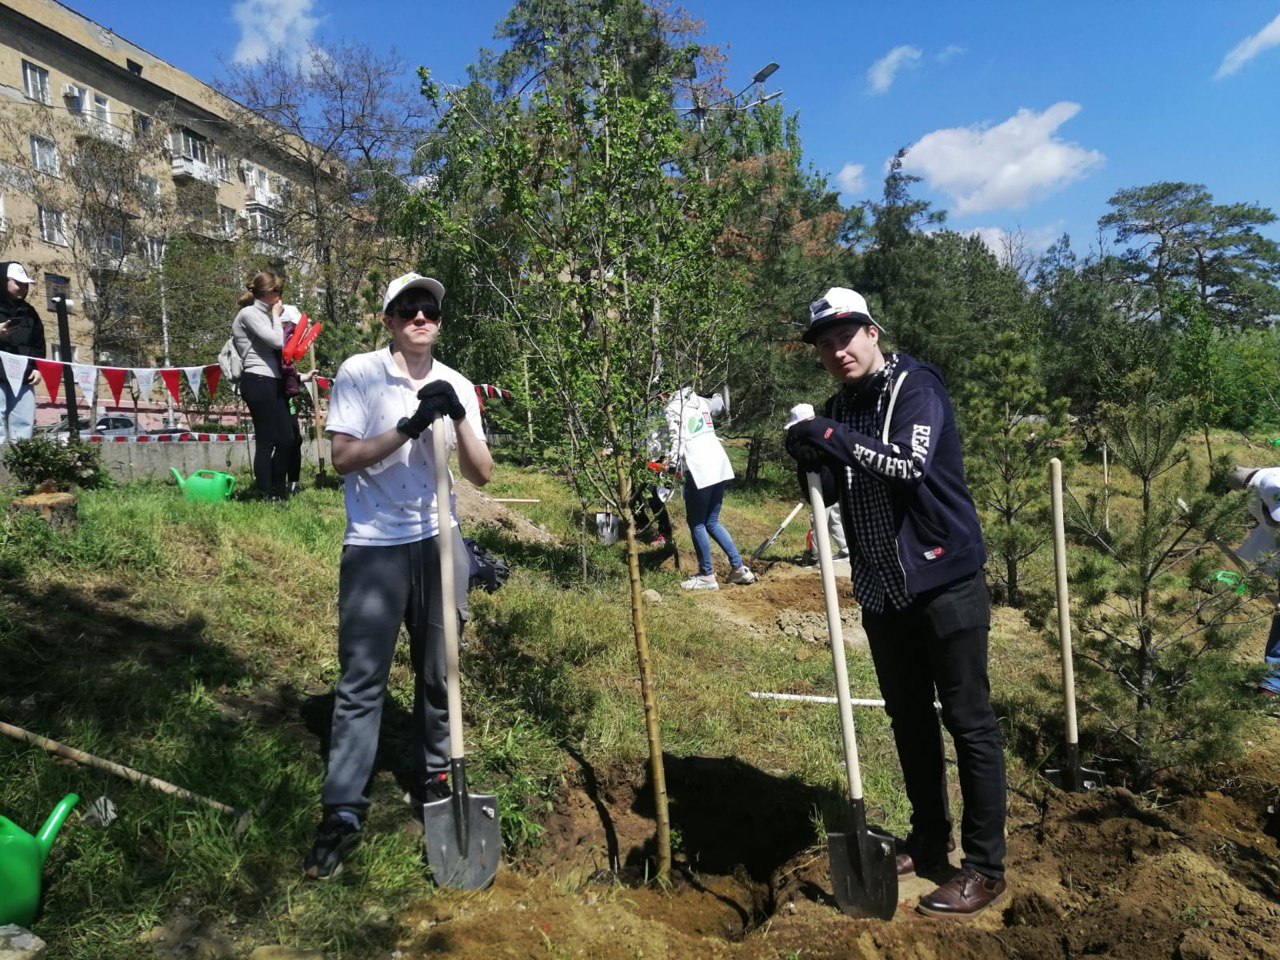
column 60, row 428
column 113, row 425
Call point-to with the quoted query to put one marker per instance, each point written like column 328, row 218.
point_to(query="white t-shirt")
column 393, row 501
column 1261, row 545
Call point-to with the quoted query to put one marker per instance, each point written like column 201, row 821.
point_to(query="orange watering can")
column 22, row 858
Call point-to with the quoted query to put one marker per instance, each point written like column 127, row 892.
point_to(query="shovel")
column 1072, row 777
column 462, row 836
column 864, row 874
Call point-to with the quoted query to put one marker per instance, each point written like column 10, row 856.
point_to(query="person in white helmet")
column 695, row 449
column 22, row 337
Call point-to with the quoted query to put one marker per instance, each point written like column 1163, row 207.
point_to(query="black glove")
column 803, row 441
column 435, row 400
column 827, row 477
column 439, row 400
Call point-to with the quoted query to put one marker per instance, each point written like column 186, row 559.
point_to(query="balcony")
column 184, row 168
column 262, row 197
column 105, row 130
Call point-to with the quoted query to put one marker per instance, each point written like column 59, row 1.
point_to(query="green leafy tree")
column 1012, row 429
column 574, row 201
column 1162, row 683
column 1184, row 242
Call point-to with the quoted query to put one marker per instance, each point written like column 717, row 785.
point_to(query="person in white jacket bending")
column 695, row 448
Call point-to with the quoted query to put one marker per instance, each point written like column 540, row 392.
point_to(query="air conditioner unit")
column 72, row 92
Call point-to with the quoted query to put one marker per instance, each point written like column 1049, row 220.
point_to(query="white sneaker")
column 700, row 582
column 742, row 575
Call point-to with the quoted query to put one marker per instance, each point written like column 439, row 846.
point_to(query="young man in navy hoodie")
column 888, row 450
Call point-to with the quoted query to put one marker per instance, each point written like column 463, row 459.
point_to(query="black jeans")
column 273, row 429
column 939, row 643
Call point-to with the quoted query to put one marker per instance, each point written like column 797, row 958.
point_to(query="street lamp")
column 765, row 72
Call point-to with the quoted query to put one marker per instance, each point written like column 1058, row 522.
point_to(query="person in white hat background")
column 695, row 450
column 382, row 406
column 888, row 451
column 21, row 334
column 1262, row 547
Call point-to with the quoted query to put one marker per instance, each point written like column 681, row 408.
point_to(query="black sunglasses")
column 408, row 311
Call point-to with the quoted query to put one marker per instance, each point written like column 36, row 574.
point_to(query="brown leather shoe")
column 965, row 895
column 906, row 863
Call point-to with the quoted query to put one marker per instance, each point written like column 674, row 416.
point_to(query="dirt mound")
column 479, row 509
column 1097, row 874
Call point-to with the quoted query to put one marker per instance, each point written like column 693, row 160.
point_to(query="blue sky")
column 1021, row 116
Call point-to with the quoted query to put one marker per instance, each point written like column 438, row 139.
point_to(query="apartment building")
column 69, row 87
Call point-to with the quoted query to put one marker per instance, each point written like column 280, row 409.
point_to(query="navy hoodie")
column 928, row 510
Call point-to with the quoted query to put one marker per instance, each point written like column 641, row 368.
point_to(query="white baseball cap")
column 411, row 281
column 17, row 273
column 838, row 305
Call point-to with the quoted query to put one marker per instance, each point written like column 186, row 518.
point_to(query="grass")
column 196, row 642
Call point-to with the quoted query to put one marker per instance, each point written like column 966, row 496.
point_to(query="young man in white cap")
column 1262, row 547
column 889, row 451
column 382, row 407
column 21, row 334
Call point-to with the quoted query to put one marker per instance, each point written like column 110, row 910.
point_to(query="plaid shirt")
column 879, row 581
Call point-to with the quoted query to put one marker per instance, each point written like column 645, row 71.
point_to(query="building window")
column 101, row 108
column 141, row 124
column 114, row 243
column 194, row 146
column 44, row 155
column 264, row 225
column 55, row 286
column 155, row 249
column 35, row 81
column 222, row 165
column 227, row 219
column 149, row 187
column 53, row 227
column 4, row 219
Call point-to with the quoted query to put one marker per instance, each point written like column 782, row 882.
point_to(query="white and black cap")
column 838, row 305
column 411, row 281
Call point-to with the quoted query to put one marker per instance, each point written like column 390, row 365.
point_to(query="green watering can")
column 22, row 858
column 208, row 485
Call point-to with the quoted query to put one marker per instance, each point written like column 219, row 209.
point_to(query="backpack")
column 231, row 362
column 488, row 571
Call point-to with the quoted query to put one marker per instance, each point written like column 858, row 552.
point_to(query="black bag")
column 488, row 571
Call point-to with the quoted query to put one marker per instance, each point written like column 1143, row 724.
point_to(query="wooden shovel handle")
column 128, row 773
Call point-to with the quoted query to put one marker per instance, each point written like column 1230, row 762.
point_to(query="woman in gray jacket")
column 258, row 335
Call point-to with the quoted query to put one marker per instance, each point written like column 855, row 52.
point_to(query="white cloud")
column 948, row 52
column 1246, row 50
column 1007, row 166
column 851, row 178
column 1004, row 244
column 267, row 24
column 884, row 70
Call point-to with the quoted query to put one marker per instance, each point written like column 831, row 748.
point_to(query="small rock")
column 803, row 654
column 652, row 596
column 791, row 908
column 19, row 944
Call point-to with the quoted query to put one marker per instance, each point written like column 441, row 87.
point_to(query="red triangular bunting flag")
column 324, row 382
column 115, row 377
column 212, row 374
column 51, row 371
column 171, row 380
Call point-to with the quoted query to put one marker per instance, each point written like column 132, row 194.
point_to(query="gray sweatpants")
column 378, row 589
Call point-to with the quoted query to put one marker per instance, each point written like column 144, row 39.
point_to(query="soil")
column 1100, row 874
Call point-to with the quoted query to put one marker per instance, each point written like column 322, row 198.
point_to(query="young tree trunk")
column 755, row 455
column 639, row 628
